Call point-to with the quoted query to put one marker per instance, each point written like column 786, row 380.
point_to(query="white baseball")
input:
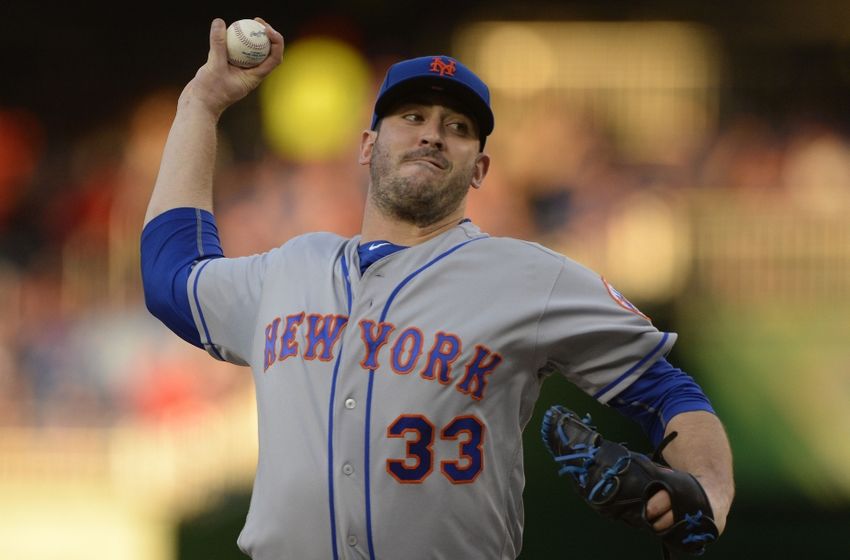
column 247, row 43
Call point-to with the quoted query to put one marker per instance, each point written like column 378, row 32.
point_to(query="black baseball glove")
column 617, row 482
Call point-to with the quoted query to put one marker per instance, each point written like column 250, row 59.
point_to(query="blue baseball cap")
column 437, row 73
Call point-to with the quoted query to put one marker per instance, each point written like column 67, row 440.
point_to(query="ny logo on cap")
column 439, row 65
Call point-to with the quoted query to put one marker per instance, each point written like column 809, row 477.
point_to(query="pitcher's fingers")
column 275, row 49
column 658, row 504
column 664, row 522
column 659, row 511
column 218, row 43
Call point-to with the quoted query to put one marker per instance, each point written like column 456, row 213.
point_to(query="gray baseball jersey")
column 391, row 406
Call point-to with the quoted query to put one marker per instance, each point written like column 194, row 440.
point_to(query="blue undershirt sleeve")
column 658, row 395
column 172, row 243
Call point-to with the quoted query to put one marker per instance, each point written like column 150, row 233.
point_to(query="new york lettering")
column 404, row 351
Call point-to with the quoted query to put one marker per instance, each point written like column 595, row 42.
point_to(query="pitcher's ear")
column 367, row 142
column 482, row 166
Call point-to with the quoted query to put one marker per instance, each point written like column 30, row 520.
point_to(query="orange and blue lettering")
column 288, row 344
column 411, row 337
column 324, row 330
column 271, row 342
column 475, row 380
column 373, row 341
column 445, row 351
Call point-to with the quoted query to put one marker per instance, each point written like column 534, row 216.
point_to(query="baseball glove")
column 617, row 482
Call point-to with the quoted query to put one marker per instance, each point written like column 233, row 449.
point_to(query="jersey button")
column 350, row 403
column 352, row 540
column 347, row 469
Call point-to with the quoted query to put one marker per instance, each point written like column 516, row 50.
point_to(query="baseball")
column 247, row 43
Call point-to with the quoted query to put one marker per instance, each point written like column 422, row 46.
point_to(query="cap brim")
column 470, row 101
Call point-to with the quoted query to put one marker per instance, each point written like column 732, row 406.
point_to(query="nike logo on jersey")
column 374, row 246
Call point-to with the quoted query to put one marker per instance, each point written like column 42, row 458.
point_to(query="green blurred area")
column 777, row 376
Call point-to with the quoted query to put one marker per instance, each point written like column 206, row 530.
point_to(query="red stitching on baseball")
column 244, row 39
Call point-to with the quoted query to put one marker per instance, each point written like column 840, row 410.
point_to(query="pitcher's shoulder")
column 318, row 242
column 522, row 249
column 519, row 253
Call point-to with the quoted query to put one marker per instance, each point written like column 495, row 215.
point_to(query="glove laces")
column 575, row 464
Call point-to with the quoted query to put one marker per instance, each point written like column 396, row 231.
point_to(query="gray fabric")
column 541, row 314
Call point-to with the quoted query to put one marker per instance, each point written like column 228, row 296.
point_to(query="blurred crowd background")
column 698, row 157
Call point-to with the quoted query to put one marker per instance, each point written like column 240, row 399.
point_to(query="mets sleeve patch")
column 621, row 300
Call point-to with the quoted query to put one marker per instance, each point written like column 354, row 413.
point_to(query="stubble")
column 422, row 199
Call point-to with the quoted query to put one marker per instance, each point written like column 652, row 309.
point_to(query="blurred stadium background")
column 697, row 155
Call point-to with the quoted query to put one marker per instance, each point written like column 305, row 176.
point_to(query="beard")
column 421, row 199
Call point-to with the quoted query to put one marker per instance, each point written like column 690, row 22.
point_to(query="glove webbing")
column 609, row 482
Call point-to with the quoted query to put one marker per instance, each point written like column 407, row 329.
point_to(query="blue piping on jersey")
column 634, row 368
column 331, row 417
column 390, row 300
column 199, row 232
column 201, row 313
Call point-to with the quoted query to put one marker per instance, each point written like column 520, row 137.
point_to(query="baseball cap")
column 437, row 73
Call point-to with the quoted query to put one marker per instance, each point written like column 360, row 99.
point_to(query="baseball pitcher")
column 396, row 370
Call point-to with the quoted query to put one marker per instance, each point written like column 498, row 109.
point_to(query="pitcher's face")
column 423, row 158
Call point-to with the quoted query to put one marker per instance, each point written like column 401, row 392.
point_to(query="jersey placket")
column 372, row 300
column 349, row 418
